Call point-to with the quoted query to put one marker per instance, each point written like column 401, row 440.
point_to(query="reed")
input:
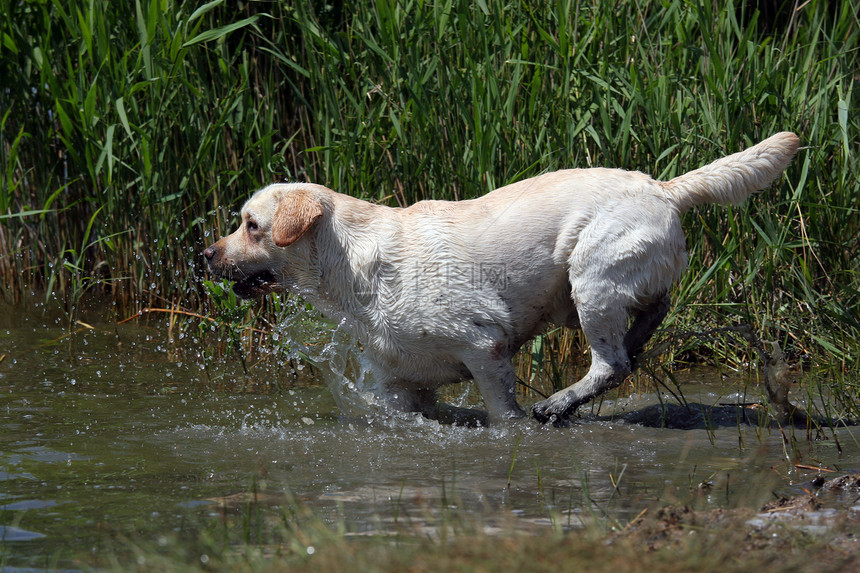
column 130, row 132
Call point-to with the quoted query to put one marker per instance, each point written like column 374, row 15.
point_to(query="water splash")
column 336, row 354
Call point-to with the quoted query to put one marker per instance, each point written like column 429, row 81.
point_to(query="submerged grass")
column 130, row 133
column 673, row 537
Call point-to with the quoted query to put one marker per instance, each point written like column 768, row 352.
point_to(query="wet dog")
column 445, row 291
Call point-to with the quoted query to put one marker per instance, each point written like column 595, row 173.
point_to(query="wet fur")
column 444, row 291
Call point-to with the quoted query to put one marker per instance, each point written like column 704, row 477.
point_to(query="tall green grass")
column 131, row 132
column 128, row 123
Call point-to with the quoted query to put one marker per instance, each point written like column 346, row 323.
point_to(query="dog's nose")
column 209, row 253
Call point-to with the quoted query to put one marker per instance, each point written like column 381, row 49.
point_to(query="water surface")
column 113, row 434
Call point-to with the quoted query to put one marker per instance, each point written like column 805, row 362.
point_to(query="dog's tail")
column 734, row 178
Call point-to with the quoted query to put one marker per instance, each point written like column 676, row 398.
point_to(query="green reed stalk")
column 131, row 132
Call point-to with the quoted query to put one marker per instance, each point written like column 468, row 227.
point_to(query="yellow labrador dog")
column 445, row 291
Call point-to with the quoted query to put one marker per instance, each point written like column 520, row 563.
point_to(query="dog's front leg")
column 496, row 380
column 457, row 416
column 426, row 402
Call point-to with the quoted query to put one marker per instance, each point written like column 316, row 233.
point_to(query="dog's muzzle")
column 250, row 286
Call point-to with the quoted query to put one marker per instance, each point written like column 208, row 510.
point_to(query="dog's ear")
column 296, row 213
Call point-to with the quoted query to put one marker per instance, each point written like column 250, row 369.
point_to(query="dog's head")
column 257, row 255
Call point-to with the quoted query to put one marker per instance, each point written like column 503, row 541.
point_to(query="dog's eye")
column 251, row 225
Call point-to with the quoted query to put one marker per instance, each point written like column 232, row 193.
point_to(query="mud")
column 815, row 531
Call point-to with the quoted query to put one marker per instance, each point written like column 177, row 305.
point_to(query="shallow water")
column 109, row 435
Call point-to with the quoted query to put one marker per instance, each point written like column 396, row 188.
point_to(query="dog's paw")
column 557, row 410
column 541, row 412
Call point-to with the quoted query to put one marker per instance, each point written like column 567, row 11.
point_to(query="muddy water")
column 109, row 435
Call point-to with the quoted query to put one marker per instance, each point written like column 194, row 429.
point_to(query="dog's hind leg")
column 610, row 363
column 612, row 356
column 616, row 264
column 646, row 322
